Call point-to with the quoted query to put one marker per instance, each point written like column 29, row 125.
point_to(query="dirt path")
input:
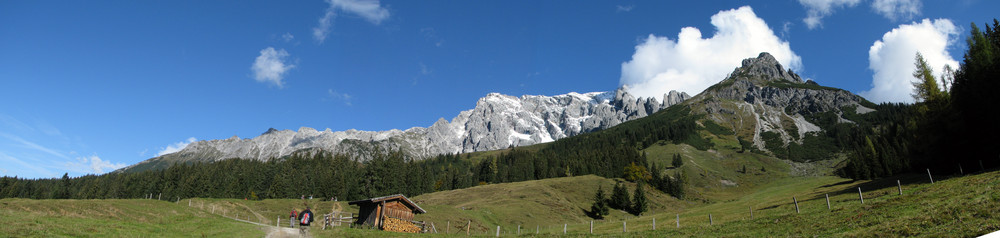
column 283, row 232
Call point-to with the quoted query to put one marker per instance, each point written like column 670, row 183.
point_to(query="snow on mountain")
column 498, row 121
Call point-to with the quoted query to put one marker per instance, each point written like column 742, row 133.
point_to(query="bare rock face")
column 761, row 96
column 673, row 97
column 498, row 121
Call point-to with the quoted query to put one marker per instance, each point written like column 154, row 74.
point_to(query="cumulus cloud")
column 287, row 37
column 171, row 148
column 94, row 165
column 897, row 9
column 692, row 63
column 892, row 57
column 817, row 9
column 270, row 66
column 370, row 10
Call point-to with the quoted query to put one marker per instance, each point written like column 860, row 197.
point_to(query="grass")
column 960, row 207
column 116, row 218
column 530, row 204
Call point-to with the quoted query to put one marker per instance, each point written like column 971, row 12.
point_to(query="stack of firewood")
column 398, row 225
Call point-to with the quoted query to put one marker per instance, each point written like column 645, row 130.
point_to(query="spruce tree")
column 678, row 161
column 639, row 203
column 619, row 197
column 600, row 207
column 677, row 186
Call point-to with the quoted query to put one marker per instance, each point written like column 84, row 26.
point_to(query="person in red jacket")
column 291, row 219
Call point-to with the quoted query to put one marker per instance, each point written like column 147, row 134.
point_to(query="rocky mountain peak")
column 766, row 67
column 762, row 97
column 269, row 131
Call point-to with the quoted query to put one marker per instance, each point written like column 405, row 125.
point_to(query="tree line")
column 948, row 127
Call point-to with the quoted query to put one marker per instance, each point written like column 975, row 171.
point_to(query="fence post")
column 189, row 202
column 929, row 176
column 861, row 196
column 448, row 230
column 213, row 209
column 796, row 204
column 591, row 227
column 751, row 212
column 498, row 231
column 467, row 227
column 624, row 227
column 828, row 202
column 518, row 229
column 158, row 196
column 654, row 223
column 710, row 222
column 536, row 228
column 277, row 223
column 900, row 186
column 564, row 228
column 678, row 220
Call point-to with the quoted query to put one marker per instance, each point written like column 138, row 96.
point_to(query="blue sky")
column 90, row 86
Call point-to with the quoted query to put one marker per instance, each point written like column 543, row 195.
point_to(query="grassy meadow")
column 955, row 207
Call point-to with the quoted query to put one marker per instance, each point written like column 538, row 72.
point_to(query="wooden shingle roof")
column 390, row 197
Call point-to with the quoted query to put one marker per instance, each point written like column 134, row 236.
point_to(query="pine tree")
column 677, row 186
column 639, row 203
column 678, row 161
column 600, row 207
column 619, row 197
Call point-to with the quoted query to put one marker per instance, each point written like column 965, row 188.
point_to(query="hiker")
column 291, row 219
column 305, row 217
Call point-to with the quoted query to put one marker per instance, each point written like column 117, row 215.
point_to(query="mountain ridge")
column 497, row 121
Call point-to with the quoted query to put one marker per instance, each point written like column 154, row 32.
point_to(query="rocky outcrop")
column 761, row 96
column 498, row 121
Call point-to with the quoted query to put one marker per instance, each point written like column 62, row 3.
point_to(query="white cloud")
column 176, row 147
column 626, row 8
column 424, row 70
column 892, row 57
column 93, row 165
column 692, row 63
column 897, row 9
column 370, row 10
column 346, row 98
column 31, row 145
column 894, row 10
column 817, row 9
column 271, row 66
column 287, row 37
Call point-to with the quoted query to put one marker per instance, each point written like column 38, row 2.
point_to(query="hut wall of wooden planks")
column 391, row 213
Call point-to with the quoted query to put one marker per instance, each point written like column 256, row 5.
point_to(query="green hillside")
column 960, row 206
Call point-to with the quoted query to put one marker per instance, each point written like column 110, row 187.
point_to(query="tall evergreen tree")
column 678, row 161
column 639, row 203
column 600, row 207
column 619, row 197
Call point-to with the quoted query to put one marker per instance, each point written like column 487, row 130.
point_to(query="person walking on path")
column 291, row 219
column 305, row 217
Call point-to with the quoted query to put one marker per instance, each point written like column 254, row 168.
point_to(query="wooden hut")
column 390, row 213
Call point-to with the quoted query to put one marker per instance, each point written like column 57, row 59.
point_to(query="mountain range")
column 497, row 121
column 763, row 103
